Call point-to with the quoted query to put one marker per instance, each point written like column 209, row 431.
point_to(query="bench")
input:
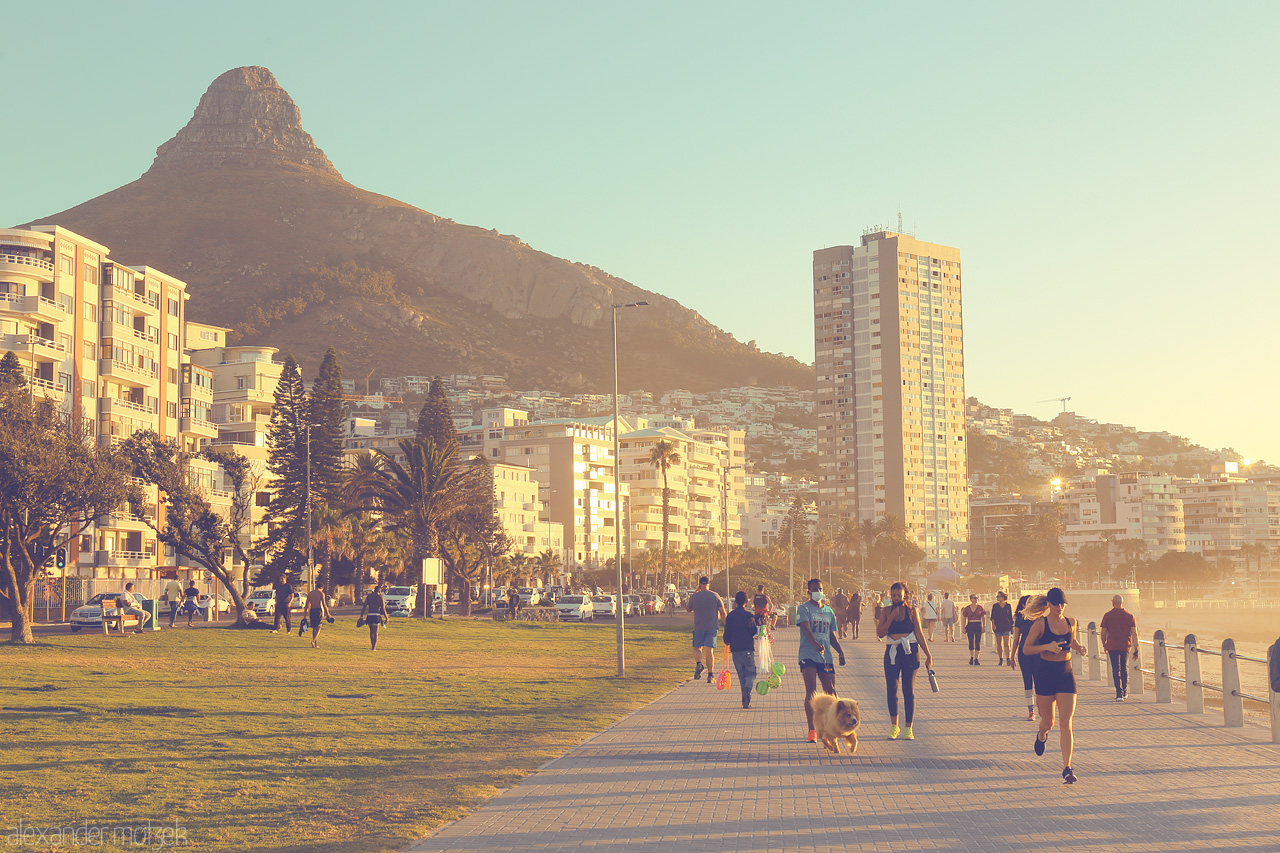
column 112, row 615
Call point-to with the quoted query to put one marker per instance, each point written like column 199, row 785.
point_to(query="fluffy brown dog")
column 835, row 720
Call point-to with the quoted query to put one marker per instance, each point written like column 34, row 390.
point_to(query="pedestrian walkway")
column 694, row 772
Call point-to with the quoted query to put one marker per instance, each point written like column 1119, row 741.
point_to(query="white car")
column 575, row 608
column 529, row 597
column 401, row 598
column 604, row 605
column 204, row 600
column 261, row 602
column 89, row 614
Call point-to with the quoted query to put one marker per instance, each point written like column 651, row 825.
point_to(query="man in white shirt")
column 948, row 611
column 135, row 608
column 173, row 595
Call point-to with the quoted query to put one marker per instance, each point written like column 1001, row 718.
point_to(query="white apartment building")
column 1124, row 506
column 1227, row 511
column 889, row 356
column 107, row 343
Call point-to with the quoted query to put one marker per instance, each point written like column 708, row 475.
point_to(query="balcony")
column 140, row 298
column 34, row 344
column 128, row 559
column 199, row 392
column 38, row 307
column 123, row 371
column 37, row 268
column 108, row 406
column 196, row 426
column 52, row 390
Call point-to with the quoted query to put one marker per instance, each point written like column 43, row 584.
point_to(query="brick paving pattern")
column 694, row 772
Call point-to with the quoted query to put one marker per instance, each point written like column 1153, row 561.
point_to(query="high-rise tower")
column 889, row 340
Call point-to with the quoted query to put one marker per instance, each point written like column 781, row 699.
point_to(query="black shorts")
column 820, row 666
column 1053, row 677
column 373, row 619
column 315, row 614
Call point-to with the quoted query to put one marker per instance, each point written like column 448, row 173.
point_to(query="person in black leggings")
column 1020, row 660
column 973, row 616
column 1053, row 637
column 899, row 627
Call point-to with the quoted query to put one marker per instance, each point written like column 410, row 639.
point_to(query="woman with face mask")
column 817, row 624
column 899, row 627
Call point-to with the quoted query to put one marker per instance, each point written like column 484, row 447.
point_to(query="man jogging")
column 707, row 610
column 1119, row 635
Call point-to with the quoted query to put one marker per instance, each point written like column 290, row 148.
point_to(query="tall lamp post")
column 617, row 489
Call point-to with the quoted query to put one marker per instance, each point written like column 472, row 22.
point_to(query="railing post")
column 1094, row 674
column 1164, row 687
column 1137, row 686
column 1195, row 693
column 1232, row 704
column 1275, row 697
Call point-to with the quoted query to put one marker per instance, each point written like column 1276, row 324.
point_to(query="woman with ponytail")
column 1019, row 659
column 1053, row 637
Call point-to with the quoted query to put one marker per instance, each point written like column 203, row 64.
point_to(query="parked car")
column 648, row 604
column 575, row 608
column 529, row 597
column 261, row 602
column 401, row 598
column 604, row 605
column 204, row 600
column 89, row 614
column 634, row 607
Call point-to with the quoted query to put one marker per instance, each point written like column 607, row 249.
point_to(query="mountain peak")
column 244, row 118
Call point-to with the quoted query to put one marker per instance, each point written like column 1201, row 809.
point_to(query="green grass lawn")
column 248, row 740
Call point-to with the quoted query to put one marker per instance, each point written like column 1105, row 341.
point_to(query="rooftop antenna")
column 899, row 220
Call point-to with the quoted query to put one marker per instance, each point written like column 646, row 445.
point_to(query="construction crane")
column 1062, row 400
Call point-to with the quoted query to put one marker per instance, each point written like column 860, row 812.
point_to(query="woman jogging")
column 1002, row 625
column 1020, row 659
column 1053, row 637
column 899, row 627
column 973, row 615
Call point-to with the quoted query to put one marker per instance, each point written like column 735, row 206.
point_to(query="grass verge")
column 247, row 740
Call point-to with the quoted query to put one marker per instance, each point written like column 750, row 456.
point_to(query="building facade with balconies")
column 107, row 343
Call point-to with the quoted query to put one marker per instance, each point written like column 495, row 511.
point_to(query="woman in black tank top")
column 1053, row 637
column 1019, row 659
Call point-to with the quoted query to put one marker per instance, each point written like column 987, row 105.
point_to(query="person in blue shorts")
column 817, row 624
column 707, row 610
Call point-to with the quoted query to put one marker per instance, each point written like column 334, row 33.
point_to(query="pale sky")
column 1108, row 170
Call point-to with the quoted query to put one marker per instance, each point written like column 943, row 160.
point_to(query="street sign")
column 432, row 571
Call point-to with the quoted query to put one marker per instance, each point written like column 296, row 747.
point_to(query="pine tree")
column 11, row 370
column 287, row 461
column 327, row 414
column 435, row 420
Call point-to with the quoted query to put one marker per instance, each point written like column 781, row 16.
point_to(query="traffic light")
column 61, row 560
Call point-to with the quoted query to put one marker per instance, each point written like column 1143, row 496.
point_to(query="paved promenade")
column 695, row 772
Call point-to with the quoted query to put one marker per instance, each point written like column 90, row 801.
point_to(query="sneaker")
column 1031, row 716
column 894, row 731
column 1119, row 698
column 908, row 734
column 1068, row 777
column 977, row 663
column 697, row 673
column 813, row 737
column 710, row 680
column 274, row 632
column 1039, row 747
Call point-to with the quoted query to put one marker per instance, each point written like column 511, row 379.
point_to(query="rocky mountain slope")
column 244, row 206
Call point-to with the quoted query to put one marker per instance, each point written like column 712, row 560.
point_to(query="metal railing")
column 1233, row 697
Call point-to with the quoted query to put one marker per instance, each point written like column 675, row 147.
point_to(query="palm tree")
column 370, row 545
column 892, row 526
column 332, row 537
column 870, row 531
column 518, row 562
column 416, row 497
column 1131, row 550
column 549, row 562
column 663, row 456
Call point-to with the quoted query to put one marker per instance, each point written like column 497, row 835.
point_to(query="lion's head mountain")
column 244, row 205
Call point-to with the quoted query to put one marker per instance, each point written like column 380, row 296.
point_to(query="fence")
column 1233, row 697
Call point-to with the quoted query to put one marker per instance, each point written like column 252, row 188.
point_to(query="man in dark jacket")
column 740, row 639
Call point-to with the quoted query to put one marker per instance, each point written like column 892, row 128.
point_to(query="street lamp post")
column 617, row 491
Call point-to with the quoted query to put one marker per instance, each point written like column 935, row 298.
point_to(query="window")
column 65, row 344
column 173, row 307
column 173, row 341
column 90, row 349
column 89, row 388
column 67, row 264
column 172, row 409
column 90, row 274
column 91, row 312
column 173, row 376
